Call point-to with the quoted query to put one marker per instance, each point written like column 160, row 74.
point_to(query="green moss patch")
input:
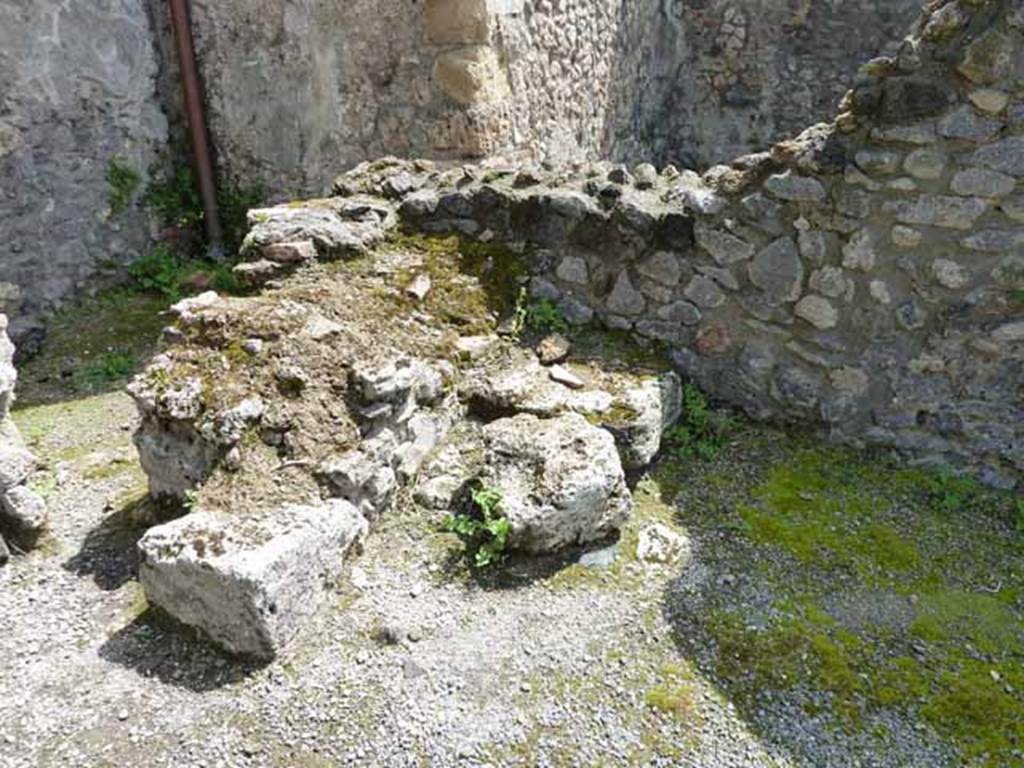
column 865, row 586
column 473, row 284
column 92, row 347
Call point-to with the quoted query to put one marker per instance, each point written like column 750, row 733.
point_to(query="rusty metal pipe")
column 198, row 132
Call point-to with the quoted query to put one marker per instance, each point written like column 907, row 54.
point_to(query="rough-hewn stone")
column 561, row 479
column 23, row 514
column 249, row 582
column 778, row 271
column 977, row 182
column 817, row 311
column 939, row 211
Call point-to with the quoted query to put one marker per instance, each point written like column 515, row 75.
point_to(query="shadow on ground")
column 156, row 646
column 109, row 553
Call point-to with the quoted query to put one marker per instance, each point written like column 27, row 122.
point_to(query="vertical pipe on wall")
column 198, row 132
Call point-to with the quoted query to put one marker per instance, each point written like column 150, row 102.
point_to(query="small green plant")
column 123, row 181
column 160, row 272
column 950, row 492
column 519, row 313
column 111, row 366
column 700, row 432
column 544, row 316
column 1018, row 514
column 484, row 530
column 1017, row 295
column 234, row 202
column 171, row 195
column 223, row 280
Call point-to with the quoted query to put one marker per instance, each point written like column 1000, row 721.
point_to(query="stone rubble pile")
column 556, row 439
column 23, row 514
column 865, row 277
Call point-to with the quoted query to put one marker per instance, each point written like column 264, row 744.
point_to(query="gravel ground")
column 415, row 663
column 411, row 666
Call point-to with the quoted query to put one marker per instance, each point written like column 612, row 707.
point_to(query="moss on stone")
column 473, row 284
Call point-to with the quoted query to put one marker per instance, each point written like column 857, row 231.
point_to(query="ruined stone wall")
column 866, row 276
column 76, row 91
column 703, row 81
column 297, row 90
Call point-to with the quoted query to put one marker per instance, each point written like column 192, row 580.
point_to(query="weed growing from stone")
column 171, row 195
column 519, row 313
column 123, row 181
column 700, row 432
column 484, row 531
column 543, row 316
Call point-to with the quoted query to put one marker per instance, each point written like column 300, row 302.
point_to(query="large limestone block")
column 472, row 76
column 174, row 457
column 458, row 22
column 249, row 583
column 16, row 461
column 24, row 513
column 332, row 232
column 561, row 480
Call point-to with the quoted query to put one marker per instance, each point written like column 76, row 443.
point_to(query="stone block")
column 949, row 274
column 989, row 100
column 624, row 298
column 704, row 292
column 778, row 271
column 977, row 182
column 1005, row 156
column 939, row 210
column 989, row 58
column 16, row 461
column 723, row 247
column 925, row 163
column 652, row 407
column 795, row 188
column 662, row 267
column 561, row 480
column 966, row 124
column 249, row 582
column 24, row 513
column 457, row 22
column 472, row 76
column 573, row 269
column 817, row 311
